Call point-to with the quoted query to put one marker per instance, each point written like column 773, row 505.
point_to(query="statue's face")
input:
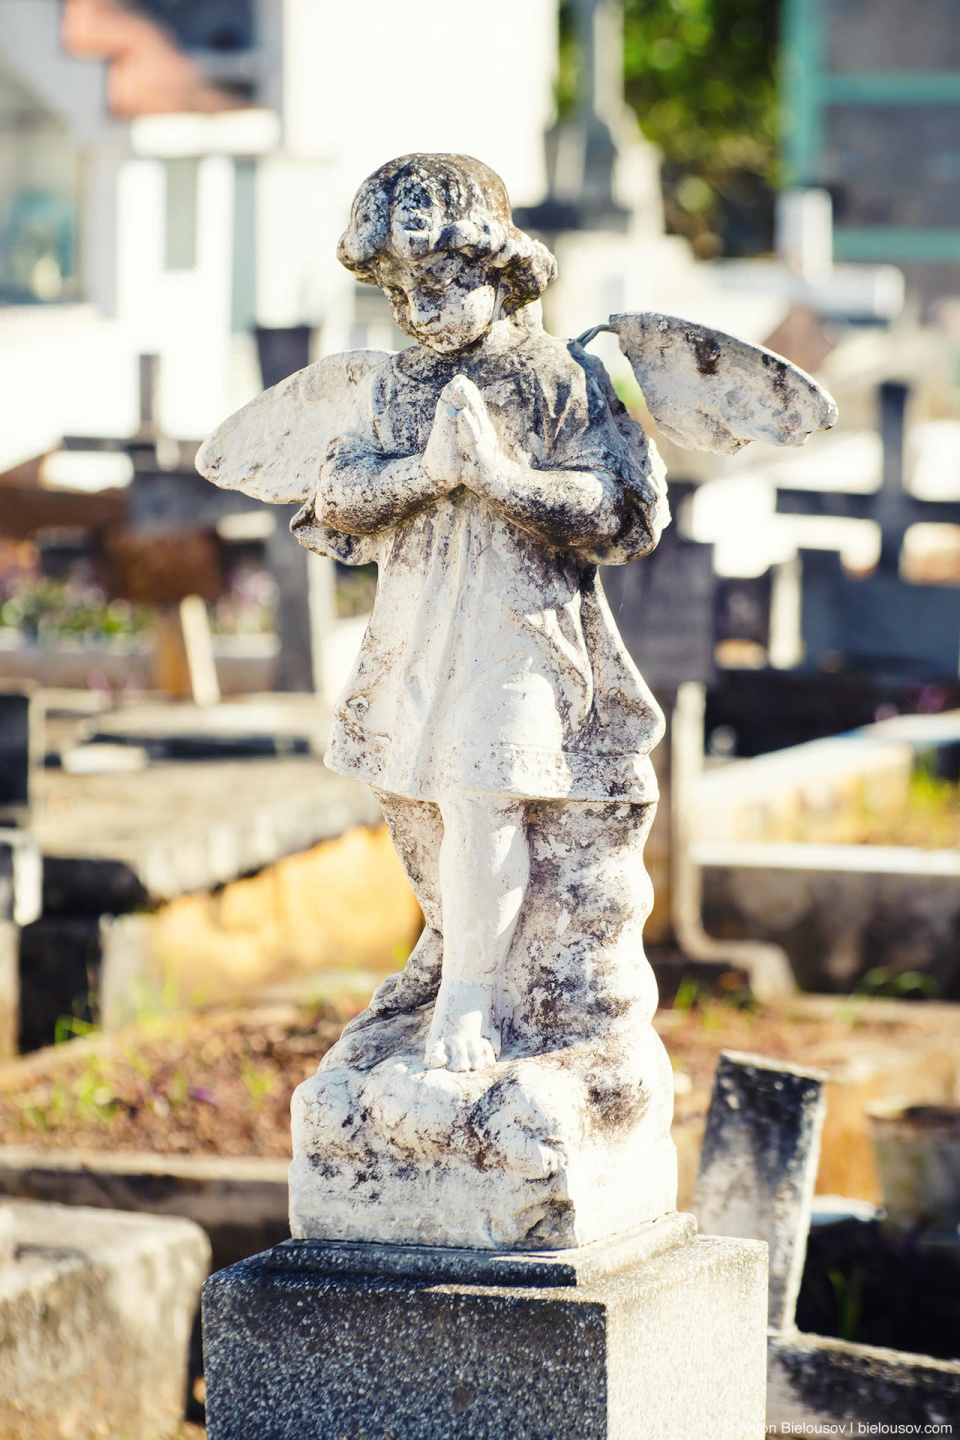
column 445, row 302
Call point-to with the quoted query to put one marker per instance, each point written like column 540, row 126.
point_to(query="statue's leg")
column 416, row 830
column 484, row 869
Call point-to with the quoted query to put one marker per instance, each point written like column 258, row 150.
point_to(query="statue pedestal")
column 659, row 1335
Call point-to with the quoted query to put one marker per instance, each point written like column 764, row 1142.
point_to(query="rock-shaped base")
column 659, row 1336
column 596, row 1195
column 565, row 1139
column 563, row 1149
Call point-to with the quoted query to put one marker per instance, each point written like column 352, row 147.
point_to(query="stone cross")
column 878, row 620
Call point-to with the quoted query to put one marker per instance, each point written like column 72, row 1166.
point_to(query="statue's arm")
column 362, row 491
column 567, row 508
column 592, row 490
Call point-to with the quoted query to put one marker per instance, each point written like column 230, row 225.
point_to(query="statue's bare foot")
column 460, row 1039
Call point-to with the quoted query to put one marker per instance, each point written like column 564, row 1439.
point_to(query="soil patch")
column 215, row 1084
column 220, row 1084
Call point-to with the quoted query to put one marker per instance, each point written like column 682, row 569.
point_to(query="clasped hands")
column 464, row 448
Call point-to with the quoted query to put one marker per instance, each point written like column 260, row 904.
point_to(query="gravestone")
column 170, row 506
column 758, row 1165
column 620, row 1339
column 877, row 622
column 17, row 744
column 96, row 1310
column 757, row 1174
column 20, row 864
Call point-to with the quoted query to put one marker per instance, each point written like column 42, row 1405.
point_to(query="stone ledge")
column 240, row 1203
column 96, row 1311
column 814, row 1379
column 549, row 1269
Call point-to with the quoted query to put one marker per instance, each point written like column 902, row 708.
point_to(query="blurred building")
column 175, row 174
column 872, row 110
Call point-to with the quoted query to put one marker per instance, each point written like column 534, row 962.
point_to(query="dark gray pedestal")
column 661, row 1336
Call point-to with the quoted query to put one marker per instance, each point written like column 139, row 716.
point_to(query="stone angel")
column 506, row 1088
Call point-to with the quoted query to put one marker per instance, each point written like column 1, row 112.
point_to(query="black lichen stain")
column 708, row 350
column 779, row 378
column 461, row 1399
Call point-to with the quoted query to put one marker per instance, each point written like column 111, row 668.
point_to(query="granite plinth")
column 660, row 1335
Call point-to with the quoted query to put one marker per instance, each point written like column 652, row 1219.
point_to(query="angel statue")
column 506, row 1089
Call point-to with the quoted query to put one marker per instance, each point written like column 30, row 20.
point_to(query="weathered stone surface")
column 95, row 1315
column 557, row 1151
column 507, row 1090
column 710, row 391
column 185, row 827
column 471, row 1353
column 814, row 1380
column 344, row 903
column 240, row 1203
column 758, row 1165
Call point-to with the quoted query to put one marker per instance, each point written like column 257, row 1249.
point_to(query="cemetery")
column 479, row 720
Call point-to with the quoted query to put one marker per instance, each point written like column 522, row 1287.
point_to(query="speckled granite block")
column 657, row 1336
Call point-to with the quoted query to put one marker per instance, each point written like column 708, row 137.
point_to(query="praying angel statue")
column 506, row 1089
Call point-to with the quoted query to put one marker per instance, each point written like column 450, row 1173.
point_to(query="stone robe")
column 491, row 661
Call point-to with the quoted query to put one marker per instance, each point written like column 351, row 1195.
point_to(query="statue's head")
column 436, row 234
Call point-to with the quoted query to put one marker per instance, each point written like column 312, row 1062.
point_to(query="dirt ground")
column 220, row 1084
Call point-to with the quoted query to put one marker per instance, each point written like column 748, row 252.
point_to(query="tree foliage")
column 701, row 77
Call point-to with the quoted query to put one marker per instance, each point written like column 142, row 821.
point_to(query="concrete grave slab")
column 240, row 1203
column 96, row 1311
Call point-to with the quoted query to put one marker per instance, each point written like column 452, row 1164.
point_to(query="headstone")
column 282, row 351
column 877, row 623
column 198, row 643
column 170, row 548
column 505, row 1097
column 758, row 1165
column 21, row 876
column 17, row 739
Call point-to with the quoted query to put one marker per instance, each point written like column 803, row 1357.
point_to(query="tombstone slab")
column 313, row 1339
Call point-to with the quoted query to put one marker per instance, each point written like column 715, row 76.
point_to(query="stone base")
column 660, row 1335
column 397, row 1202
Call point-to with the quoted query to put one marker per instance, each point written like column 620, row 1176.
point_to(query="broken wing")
column 709, row 391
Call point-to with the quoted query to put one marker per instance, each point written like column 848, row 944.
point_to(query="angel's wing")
column 273, row 447
column 709, row 391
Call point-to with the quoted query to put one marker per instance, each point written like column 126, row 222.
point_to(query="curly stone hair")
column 422, row 205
